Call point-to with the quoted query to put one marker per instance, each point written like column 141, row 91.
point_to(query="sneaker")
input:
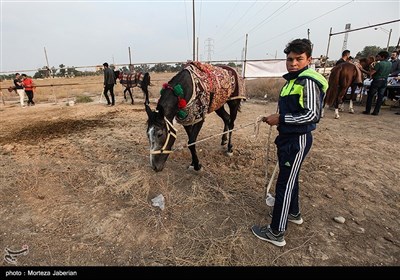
column 365, row 112
column 265, row 233
column 296, row 219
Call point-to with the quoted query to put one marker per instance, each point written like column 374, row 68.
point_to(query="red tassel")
column 181, row 103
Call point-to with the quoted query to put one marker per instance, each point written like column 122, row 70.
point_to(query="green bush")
column 83, row 99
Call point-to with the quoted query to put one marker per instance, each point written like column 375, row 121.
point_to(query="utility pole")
column 194, row 35
column 346, row 35
column 390, row 33
column 209, row 48
column 47, row 63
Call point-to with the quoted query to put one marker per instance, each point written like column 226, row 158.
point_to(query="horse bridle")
column 171, row 131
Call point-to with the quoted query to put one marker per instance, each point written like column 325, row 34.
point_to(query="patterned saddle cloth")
column 213, row 86
column 131, row 79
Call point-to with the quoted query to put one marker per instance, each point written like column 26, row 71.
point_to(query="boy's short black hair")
column 384, row 54
column 23, row 75
column 105, row 64
column 16, row 74
column 299, row 46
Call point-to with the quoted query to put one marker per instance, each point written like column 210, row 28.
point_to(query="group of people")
column 379, row 70
column 24, row 85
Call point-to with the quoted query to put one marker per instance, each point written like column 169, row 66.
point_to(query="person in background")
column 394, row 59
column 19, row 88
column 379, row 74
column 345, row 57
column 28, row 87
column 109, row 82
column 300, row 107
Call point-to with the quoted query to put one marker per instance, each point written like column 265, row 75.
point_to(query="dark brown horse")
column 188, row 97
column 132, row 80
column 342, row 77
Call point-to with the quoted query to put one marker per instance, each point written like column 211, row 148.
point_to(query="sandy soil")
column 76, row 187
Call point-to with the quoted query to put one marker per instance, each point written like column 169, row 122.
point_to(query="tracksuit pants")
column 291, row 150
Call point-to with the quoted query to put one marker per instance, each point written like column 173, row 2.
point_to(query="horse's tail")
column 333, row 89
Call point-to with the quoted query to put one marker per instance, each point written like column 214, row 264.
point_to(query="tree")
column 369, row 51
column 53, row 70
column 62, row 70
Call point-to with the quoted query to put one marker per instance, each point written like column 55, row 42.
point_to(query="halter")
column 171, row 131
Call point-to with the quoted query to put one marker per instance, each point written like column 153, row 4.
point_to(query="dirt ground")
column 76, row 188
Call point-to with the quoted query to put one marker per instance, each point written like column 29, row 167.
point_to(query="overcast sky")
column 85, row 33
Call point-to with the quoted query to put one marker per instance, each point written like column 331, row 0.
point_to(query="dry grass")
column 264, row 88
column 77, row 188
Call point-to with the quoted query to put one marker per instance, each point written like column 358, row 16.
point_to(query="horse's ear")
column 148, row 111
column 160, row 110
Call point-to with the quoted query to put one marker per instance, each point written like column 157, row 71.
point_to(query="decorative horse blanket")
column 131, row 79
column 213, row 86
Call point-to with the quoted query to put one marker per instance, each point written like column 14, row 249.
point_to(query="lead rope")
column 268, row 183
column 256, row 124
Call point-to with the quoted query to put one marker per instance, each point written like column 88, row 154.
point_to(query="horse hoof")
column 191, row 168
column 229, row 154
column 351, row 111
column 337, row 117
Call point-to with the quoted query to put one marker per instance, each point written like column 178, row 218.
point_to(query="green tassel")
column 182, row 114
column 162, row 91
column 178, row 90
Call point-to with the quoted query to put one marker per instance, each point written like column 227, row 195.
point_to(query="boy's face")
column 295, row 61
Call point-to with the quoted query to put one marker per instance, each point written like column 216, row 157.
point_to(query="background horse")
column 132, row 80
column 343, row 76
column 188, row 97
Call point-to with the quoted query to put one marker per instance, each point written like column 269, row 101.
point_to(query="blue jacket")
column 301, row 101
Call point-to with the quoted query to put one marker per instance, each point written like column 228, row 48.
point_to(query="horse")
column 131, row 80
column 343, row 76
column 195, row 91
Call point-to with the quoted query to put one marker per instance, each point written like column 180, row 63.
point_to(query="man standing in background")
column 19, row 88
column 394, row 59
column 109, row 82
column 345, row 57
column 379, row 75
column 28, row 86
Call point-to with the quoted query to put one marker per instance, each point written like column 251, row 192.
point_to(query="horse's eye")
column 159, row 135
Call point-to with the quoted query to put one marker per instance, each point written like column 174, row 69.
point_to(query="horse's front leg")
column 193, row 131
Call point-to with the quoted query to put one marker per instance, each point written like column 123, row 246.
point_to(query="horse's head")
column 162, row 135
column 117, row 74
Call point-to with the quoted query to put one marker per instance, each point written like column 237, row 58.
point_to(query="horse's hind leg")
column 226, row 118
column 336, row 104
column 229, row 122
column 130, row 93
column 234, row 106
column 353, row 94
